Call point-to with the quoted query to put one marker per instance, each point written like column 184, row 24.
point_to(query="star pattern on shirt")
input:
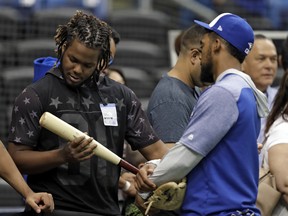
column 17, row 139
column 22, row 121
column 33, row 114
column 16, row 109
column 26, row 100
column 105, row 100
column 130, row 117
column 120, row 103
column 134, row 103
column 30, row 133
column 55, row 102
column 151, row 136
column 138, row 133
column 87, row 102
column 71, row 101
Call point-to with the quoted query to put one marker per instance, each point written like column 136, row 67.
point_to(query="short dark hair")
column 177, row 43
column 115, row 35
column 192, row 35
column 259, row 36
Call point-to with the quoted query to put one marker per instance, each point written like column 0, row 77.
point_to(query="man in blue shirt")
column 218, row 150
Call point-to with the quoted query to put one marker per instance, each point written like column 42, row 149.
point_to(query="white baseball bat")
column 68, row 132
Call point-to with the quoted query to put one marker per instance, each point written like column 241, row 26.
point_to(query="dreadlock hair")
column 280, row 105
column 90, row 31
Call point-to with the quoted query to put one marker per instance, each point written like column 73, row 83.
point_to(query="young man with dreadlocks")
column 81, row 184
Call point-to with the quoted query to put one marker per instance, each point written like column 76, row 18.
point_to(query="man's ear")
column 194, row 55
column 217, row 45
column 64, row 47
column 280, row 60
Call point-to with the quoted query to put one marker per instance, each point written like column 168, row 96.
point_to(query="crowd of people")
column 205, row 121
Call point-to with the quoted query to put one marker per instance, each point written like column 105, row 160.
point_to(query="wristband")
column 126, row 186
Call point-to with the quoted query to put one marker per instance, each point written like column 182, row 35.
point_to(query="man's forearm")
column 175, row 165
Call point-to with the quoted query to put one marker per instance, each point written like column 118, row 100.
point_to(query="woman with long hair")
column 275, row 150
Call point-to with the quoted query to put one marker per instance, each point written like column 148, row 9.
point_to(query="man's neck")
column 180, row 75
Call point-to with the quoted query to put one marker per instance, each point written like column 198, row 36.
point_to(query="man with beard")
column 218, row 150
column 81, row 184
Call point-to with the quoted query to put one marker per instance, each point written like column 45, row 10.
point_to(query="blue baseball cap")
column 233, row 29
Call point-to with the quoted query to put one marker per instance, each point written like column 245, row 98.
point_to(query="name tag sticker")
column 109, row 114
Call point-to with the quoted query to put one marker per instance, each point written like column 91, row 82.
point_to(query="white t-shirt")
column 278, row 134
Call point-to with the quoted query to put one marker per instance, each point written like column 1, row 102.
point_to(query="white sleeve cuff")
column 155, row 162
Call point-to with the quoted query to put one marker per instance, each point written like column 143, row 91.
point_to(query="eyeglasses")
column 110, row 60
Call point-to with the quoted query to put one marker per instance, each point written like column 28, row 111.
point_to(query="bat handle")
column 128, row 166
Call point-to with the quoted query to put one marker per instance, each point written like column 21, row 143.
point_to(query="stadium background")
column 148, row 29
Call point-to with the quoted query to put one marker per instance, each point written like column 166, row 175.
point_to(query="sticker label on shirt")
column 109, row 114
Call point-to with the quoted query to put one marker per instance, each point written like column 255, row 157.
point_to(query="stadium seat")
column 151, row 26
column 46, row 21
column 139, row 81
column 140, row 54
column 9, row 23
column 25, row 51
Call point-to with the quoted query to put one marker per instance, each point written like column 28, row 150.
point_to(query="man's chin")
column 73, row 84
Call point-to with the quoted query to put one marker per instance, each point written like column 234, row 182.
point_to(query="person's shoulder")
column 220, row 91
column 164, row 80
column 171, row 85
column 115, row 88
column 280, row 122
column 272, row 90
column 232, row 83
column 167, row 91
column 110, row 83
column 215, row 90
column 47, row 80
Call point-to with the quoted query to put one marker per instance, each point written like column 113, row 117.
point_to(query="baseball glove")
column 168, row 196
